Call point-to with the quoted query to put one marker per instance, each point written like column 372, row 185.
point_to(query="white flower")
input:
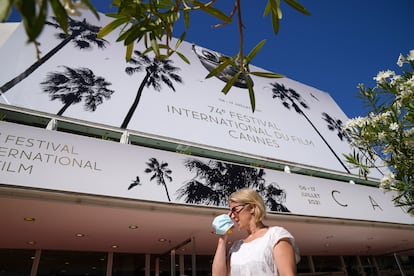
column 393, row 126
column 387, row 181
column 382, row 76
column 400, row 60
column 387, row 114
column 395, row 79
column 410, row 56
column 410, row 82
column 409, row 132
column 405, row 94
column 355, row 122
column 381, row 135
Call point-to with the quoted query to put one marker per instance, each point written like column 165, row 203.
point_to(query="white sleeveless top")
column 256, row 257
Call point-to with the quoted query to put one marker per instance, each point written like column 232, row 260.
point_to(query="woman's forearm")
column 219, row 267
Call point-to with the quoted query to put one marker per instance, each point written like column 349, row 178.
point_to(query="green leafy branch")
column 34, row 15
column 153, row 21
column 387, row 132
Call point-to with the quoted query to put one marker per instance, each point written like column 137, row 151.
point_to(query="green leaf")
column 90, row 7
column 267, row 9
column 279, row 13
column 34, row 23
column 41, row 18
column 230, row 83
column 112, row 26
column 114, row 15
column 160, row 46
column 184, row 58
column 213, row 11
column 60, row 14
column 274, row 6
column 129, row 50
column 297, row 6
column 124, row 35
column 254, row 51
column 154, row 45
column 219, row 68
column 275, row 24
column 275, row 16
column 147, row 50
column 186, row 19
column 27, row 12
column 5, row 9
column 267, row 75
column 134, row 33
column 180, row 40
column 251, row 94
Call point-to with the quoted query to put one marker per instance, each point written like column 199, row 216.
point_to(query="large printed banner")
column 39, row 158
column 85, row 77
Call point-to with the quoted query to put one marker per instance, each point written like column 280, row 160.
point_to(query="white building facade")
column 110, row 167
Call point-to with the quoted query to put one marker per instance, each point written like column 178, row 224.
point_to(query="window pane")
column 386, row 264
column 203, row 264
column 16, row 262
column 72, row 263
column 407, row 263
column 128, row 264
column 327, row 263
column 303, row 265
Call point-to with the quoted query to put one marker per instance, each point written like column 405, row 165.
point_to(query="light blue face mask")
column 222, row 224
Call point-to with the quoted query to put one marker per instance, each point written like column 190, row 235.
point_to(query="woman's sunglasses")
column 236, row 210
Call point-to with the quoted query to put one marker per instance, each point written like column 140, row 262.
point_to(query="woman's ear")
column 252, row 209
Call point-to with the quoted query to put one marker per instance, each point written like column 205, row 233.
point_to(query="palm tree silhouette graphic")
column 336, row 124
column 160, row 172
column 290, row 98
column 74, row 85
column 157, row 72
column 81, row 33
column 215, row 181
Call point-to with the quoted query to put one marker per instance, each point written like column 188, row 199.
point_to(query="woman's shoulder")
column 277, row 229
column 278, row 232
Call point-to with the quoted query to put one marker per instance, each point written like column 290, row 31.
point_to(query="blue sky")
column 341, row 44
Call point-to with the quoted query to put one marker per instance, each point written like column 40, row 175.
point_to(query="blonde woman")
column 266, row 251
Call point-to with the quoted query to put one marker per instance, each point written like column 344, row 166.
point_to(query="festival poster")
column 85, row 77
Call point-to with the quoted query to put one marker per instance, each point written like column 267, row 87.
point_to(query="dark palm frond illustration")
column 314, row 97
column 160, row 172
column 134, row 183
column 81, row 33
column 291, row 99
column 336, row 125
column 214, row 181
column 158, row 72
column 77, row 85
column 275, row 198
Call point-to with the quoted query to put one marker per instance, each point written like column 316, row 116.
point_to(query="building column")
column 172, row 262
column 109, row 263
column 147, row 264
column 311, row 264
column 181, row 263
column 35, row 264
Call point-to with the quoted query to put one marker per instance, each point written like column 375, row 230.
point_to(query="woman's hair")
column 251, row 197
